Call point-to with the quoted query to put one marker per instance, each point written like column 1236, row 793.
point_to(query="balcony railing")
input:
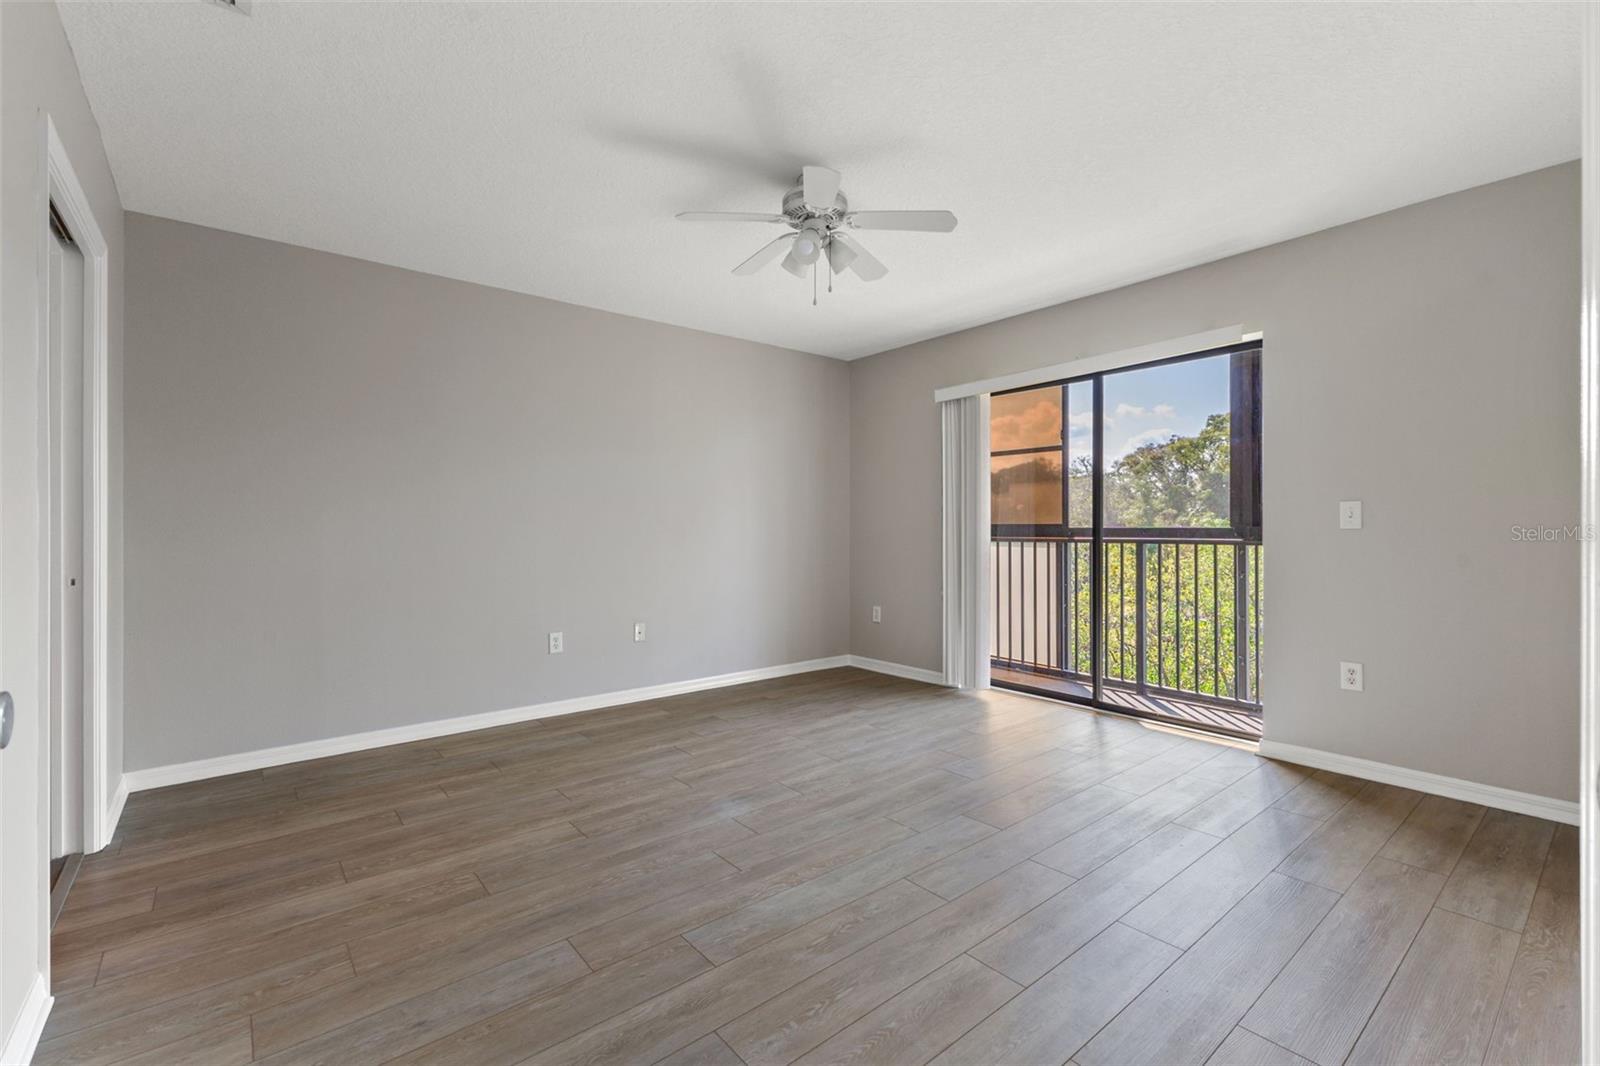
column 1182, row 617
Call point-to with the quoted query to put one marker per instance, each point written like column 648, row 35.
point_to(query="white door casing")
column 64, row 324
column 65, row 192
column 1589, row 549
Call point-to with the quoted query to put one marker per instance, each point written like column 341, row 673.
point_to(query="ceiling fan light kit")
column 808, row 245
column 817, row 211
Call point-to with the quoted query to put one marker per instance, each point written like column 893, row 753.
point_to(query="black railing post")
column 1241, row 624
column 1097, row 550
column 1255, row 614
column 1161, row 619
column 1216, row 626
column 1139, row 614
column 1062, row 661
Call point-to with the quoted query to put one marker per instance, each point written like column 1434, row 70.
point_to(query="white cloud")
column 1163, row 410
column 1081, row 420
column 1147, row 437
column 1129, row 410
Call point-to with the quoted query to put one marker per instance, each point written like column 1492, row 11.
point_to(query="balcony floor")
column 1196, row 715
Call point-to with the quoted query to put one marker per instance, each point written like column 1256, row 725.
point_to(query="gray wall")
column 360, row 497
column 1423, row 361
column 38, row 76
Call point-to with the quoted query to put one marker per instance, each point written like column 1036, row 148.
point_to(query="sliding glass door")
column 1126, row 539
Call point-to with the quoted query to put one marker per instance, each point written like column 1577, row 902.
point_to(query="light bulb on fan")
column 807, row 246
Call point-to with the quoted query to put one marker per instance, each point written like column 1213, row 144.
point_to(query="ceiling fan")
column 818, row 214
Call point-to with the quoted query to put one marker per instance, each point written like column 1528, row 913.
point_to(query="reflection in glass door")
column 1126, row 539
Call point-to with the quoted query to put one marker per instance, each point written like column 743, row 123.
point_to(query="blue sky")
column 1151, row 404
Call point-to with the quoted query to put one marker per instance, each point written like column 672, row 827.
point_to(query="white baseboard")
column 910, row 673
column 1504, row 799
column 221, row 766
column 119, row 800
column 29, row 1026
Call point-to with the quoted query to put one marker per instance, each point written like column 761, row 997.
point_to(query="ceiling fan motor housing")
column 796, row 210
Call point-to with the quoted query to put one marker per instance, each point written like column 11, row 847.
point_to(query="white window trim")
column 1094, row 364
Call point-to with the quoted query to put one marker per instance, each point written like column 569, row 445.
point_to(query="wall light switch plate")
column 877, row 614
column 638, row 632
column 1350, row 678
column 1349, row 514
column 556, row 644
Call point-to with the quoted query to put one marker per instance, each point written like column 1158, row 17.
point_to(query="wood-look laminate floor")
column 833, row 868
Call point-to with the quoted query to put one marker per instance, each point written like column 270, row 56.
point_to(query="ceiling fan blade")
column 769, row 251
column 794, row 266
column 925, row 221
column 839, row 256
column 727, row 216
column 819, row 187
column 861, row 261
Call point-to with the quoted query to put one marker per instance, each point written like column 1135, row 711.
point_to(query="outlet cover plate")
column 557, row 644
column 1350, row 677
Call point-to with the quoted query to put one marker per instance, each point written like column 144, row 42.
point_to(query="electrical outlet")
column 638, row 632
column 556, row 644
column 1349, row 514
column 1350, row 677
column 877, row 614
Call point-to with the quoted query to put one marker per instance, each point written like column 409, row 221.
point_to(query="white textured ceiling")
column 545, row 148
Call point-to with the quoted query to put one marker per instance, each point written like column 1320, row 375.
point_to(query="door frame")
column 1589, row 548
column 61, row 187
column 1246, row 527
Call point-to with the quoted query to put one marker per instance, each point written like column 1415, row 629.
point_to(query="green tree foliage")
column 1179, row 482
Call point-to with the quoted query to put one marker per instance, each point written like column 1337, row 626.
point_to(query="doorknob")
column 8, row 718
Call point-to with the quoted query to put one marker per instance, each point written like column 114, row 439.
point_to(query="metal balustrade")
column 1182, row 617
